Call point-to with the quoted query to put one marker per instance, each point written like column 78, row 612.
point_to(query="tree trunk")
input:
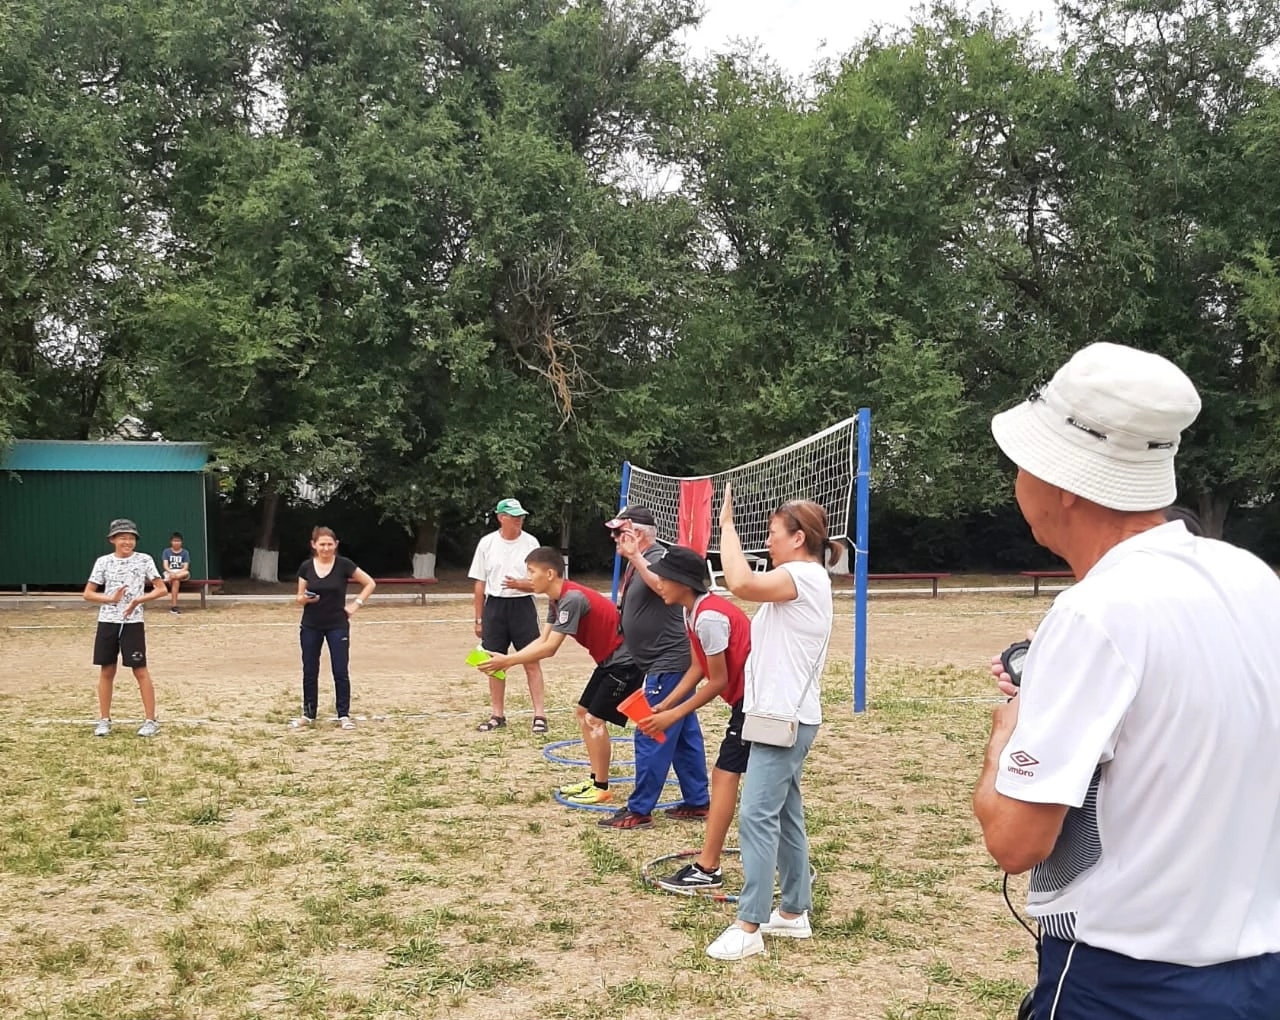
column 1213, row 513
column 424, row 546
column 266, row 546
column 566, row 526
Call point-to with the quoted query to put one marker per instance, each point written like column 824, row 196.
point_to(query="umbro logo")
column 1023, row 760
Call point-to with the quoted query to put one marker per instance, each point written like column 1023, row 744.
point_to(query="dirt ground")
column 540, row 912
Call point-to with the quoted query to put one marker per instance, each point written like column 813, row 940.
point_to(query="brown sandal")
column 539, row 724
column 494, row 722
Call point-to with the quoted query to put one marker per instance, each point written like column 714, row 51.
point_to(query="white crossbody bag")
column 780, row 730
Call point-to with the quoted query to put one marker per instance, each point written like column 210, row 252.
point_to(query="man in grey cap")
column 118, row 584
column 1135, row 774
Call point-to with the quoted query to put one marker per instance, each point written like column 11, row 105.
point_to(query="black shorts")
column 734, row 751
column 608, row 686
column 507, row 622
column 114, row 642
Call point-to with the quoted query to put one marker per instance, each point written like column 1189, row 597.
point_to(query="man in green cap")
column 505, row 615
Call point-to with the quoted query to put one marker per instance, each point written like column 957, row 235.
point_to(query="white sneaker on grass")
column 345, row 723
column 149, row 728
column 736, row 943
column 103, row 728
column 788, row 927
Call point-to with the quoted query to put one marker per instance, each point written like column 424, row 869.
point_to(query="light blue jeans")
column 771, row 830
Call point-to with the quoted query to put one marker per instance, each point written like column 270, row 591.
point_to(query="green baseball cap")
column 511, row 507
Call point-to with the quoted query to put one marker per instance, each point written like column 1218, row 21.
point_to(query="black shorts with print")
column 127, row 643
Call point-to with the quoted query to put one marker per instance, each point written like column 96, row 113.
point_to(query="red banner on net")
column 694, row 514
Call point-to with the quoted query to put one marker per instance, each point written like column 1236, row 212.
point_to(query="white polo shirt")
column 789, row 647
column 1150, row 706
column 497, row 559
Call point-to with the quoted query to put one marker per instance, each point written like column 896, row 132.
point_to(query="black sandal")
column 495, row 722
column 539, row 724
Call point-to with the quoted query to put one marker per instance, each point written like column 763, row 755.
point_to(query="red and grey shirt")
column 591, row 620
column 716, row 625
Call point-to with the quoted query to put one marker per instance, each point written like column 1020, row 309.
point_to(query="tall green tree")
column 1161, row 204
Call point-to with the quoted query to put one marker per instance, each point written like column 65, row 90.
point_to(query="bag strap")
column 813, row 676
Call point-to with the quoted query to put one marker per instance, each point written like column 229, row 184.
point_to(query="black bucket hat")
column 684, row 566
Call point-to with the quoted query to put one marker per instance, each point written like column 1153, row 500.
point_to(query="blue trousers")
column 682, row 749
column 771, row 831
column 1079, row 982
column 339, row 640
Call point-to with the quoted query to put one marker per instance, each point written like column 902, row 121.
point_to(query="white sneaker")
column 103, row 728
column 736, row 943
column 149, row 728
column 302, row 722
column 792, row 928
column 345, row 723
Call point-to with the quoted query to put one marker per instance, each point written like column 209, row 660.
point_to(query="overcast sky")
column 793, row 31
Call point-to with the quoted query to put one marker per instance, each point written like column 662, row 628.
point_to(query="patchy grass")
column 415, row 868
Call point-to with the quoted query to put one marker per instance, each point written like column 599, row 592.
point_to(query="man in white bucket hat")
column 1136, row 774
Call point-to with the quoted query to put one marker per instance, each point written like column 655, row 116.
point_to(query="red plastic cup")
column 635, row 706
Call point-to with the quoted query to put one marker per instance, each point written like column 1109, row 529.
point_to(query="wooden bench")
column 920, row 576
column 204, row 586
column 1039, row 575
column 422, row 595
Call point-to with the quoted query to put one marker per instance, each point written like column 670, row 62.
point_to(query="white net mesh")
column 820, row 468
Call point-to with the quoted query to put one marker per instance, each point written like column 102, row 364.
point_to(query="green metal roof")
column 116, row 455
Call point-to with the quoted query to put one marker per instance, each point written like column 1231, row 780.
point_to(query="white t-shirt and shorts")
column 1150, row 706
column 118, row 639
column 510, row 618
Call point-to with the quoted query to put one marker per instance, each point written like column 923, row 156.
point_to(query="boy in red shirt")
column 591, row 620
column 720, row 637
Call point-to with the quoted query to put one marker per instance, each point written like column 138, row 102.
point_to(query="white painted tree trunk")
column 424, row 564
column 266, row 565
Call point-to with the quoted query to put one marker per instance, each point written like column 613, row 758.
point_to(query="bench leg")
column 935, row 587
column 204, row 593
column 1035, row 587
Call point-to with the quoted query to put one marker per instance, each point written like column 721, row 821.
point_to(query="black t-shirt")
column 331, row 610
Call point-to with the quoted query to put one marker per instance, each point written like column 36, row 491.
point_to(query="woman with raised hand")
column 789, row 636
column 326, row 618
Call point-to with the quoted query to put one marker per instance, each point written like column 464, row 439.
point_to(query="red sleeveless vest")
column 598, row 629
column 739, row 643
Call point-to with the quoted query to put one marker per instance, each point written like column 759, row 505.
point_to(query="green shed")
column 57, row 498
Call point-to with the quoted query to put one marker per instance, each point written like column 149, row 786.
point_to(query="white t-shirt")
column 496, row 559
column 1150, row 706
column 789, row 647
column 134, row 573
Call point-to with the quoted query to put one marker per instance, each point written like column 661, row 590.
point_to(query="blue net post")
column 622, row 501
column 862, row 483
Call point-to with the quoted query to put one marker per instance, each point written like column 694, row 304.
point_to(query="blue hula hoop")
column 548, row 752
column 611, row 807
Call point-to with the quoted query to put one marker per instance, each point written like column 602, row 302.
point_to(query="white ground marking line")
column 466, row 621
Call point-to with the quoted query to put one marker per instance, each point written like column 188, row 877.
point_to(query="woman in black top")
column 326, row 616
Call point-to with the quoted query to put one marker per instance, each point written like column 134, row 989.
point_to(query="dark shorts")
column 113, row 642
column 608, row 686
column 734, row 751
column 1094, row 984
column 508, row 622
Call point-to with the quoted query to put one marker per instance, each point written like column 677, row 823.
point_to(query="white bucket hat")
column 1105, row 428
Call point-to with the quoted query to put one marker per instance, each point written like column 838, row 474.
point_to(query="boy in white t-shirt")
column 118, row 584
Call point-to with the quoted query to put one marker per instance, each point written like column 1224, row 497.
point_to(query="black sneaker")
column 691, row 878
